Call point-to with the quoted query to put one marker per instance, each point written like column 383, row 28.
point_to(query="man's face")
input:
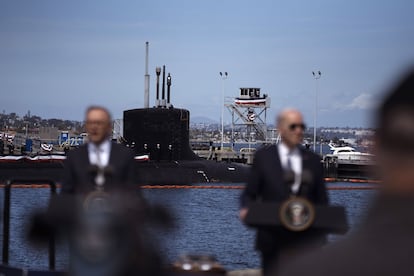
column 291, row 128
column 98, row 126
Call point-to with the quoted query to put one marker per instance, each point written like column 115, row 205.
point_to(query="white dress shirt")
column 295, row 163
column 104, row 150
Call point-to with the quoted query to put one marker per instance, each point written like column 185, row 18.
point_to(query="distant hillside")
column 202, row 120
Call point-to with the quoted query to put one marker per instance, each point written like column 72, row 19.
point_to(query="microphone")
column 100, row 173
column 306, row 179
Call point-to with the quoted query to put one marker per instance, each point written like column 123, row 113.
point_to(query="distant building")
column 48, row 133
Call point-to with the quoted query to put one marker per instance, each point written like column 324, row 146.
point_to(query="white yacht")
column 348, row 154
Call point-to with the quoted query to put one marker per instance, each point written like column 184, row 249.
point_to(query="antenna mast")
column 147, row 77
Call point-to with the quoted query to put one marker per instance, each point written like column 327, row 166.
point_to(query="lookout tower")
column 248, row 113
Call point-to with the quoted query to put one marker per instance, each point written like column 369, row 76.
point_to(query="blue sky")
column 58, row 57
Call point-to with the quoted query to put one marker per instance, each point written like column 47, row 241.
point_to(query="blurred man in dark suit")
column 384, row 243
column 101, row 207
column 268, row 182
column 98, row 163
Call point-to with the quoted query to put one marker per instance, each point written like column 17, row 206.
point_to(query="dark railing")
column 6, row 216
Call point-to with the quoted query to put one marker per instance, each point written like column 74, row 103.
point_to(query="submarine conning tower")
column 162, row 131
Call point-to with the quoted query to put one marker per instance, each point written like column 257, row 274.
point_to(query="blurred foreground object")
column 107, row 233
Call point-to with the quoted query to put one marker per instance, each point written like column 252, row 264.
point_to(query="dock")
column 333, row 168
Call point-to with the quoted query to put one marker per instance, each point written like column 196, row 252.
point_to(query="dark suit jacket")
column 266, row 183
column 79, row 176
column 382, row 245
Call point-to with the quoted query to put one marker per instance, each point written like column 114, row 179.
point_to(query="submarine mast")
column 147, row 77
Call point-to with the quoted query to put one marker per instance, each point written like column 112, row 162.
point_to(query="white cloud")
column 363, row 101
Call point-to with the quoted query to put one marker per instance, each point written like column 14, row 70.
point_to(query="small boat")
column 347, row 154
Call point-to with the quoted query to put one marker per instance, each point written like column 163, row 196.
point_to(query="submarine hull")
column 148, row 173
column 190, row 172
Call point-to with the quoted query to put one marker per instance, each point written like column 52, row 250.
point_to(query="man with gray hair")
column 99, row 162
column 101, row 208
column 268, row 182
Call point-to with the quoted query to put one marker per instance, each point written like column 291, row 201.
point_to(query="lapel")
column 305, row 159
column 84, row 156
column 276, row 163
column 112, row 155
column 278, row 171
column 306, row 168
column 83, row 163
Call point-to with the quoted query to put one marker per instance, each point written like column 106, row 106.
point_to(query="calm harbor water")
column 207, row 223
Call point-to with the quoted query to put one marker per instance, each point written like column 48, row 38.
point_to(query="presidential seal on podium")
column 297, row 214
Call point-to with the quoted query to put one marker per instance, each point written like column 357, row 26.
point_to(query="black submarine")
column 161, row 133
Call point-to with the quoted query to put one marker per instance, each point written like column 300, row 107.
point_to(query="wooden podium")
column 331, row 219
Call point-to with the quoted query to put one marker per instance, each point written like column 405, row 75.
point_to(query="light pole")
column 317, row 75
column 223, row 77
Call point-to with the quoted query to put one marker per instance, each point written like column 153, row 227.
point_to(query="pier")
column 368, row 185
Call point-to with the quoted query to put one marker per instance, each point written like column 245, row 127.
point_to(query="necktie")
column 292, row 175
column 100, row 177
column 288, row 163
